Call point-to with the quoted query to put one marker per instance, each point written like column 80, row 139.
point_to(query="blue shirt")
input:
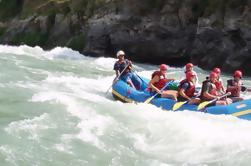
column 120, row 66
column 185, row 86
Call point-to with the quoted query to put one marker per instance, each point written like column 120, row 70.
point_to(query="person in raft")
column 209, row 91
column 130, row 78
column 158, row 81
column 219, row 83
column 186, row 89
column 188, row 68
column 235, row 86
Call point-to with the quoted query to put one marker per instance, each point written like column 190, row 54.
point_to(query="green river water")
column 54, row 112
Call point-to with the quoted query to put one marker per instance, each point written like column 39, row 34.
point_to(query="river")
column 54, row 111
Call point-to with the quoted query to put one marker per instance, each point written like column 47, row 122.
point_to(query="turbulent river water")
column 54, row 111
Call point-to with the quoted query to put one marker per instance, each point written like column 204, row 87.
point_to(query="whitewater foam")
column 29, row 128
column 54, row 111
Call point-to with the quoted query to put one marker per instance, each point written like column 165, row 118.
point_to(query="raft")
column 123, row 92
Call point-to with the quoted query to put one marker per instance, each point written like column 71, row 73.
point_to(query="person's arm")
column 207, row 94
column 116, row 68
column 196, row 79
column 182, row 91
column 117, row 73
column 223, row 89
column 129, row 63
column 154, row 80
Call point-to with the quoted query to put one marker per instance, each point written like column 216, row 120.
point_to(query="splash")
column 54, row 111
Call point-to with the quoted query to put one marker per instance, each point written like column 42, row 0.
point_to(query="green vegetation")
column 212, row 6
column 49, row 7
column 150, row 6
column 220, row 5
column 2, row 30
column 77, row 43
column 155, row 3
column 9, row 8
column 82, row 10
column 199, row 8
column 233, row 4
column 93, row 6
column 32, row 39
column 43, row 7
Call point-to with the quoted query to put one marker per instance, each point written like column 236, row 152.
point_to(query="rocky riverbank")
column 208, row 33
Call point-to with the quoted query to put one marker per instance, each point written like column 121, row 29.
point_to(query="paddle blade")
column 149, row 100
column 248, row 90
column 203, row 105
column 178, row 105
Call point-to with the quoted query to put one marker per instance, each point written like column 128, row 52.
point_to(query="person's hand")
column 130, row 63
column 243, row 88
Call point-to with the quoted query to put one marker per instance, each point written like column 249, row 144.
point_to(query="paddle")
column 205, row 103
column 248, row 90
column 117, row 78
column 150, row 99
column 143, row 81
column 181, row 103
column 245, row 88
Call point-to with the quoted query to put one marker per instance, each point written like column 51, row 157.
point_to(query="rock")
column 60, row 32
column 207, row 32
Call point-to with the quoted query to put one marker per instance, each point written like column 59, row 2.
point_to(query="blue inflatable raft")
column 125, row 93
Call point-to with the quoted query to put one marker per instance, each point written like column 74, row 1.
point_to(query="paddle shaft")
column 139, row 77
column 117, row 77
column 161, row 90
column 248, row 88
column 214, row 100
column 218, row 98
column 181, row 103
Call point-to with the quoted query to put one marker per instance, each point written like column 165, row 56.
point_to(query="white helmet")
column 120, row 52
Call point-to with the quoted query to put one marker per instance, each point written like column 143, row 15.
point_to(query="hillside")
column 208, row 33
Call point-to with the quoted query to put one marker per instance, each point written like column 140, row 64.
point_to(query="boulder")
column 208, row 33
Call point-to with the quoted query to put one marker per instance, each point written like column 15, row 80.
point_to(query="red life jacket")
column 190, row 90
column 212, row 90
column 218, row 85
column 235, row 91
column 162, row 80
